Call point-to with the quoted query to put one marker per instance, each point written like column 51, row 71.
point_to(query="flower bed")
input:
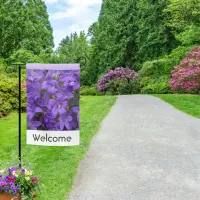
column 15, row 182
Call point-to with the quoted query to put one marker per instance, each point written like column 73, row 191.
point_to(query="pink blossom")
column 186, row 76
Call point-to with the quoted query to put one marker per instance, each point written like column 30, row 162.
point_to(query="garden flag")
column 53, row 93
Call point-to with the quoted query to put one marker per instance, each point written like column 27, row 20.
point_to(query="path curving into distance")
column 144, row 150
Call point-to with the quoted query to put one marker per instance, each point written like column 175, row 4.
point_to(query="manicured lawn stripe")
column 55, row 166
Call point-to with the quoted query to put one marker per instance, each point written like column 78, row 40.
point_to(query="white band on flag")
column 53, row 138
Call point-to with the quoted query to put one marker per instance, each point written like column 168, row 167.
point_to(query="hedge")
column 9, row 95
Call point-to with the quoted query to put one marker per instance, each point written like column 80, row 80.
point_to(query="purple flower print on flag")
column 64, row 122
column 50, row 84
column 34, row 89
column 32, row 109
column 35, row 75
column 59, row 105
column 33, row 125
column 53, row 99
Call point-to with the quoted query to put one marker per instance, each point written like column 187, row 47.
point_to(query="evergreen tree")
column 38, row 32
column 12, row 18
column 24, row 24
column 154, row 37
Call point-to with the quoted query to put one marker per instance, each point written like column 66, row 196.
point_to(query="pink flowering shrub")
column 186, row 76
column 118, row 81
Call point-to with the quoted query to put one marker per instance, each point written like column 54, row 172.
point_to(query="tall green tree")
column 38, row 34
column 183, row 13
column 154, row 37
column 75, row 49
column 72, row 47
column 184, row 19
column 24, row 24
column 12, row 26
column 114, row 42
column 129, row 33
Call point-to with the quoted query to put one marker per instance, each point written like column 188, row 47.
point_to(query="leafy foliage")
column 183, row 13
column 186, row 76
column 150, row 85
column 128, row 33
column 12, row 17
column 17, row 181
column 155, row 75
column 148, row 36
column 154, row 37
column 24, row 56
column 9, row 95
column 119, row 81
column 73, row 47
column 38, row 33
column 90, row 90
column 24, row 24
column 184, row 19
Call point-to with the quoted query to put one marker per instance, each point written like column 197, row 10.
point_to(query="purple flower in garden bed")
column 6, row 190
column 11, row 170
column 16, row 181
column 53, row 99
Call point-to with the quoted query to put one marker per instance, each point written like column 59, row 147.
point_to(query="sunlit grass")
column 189, row 104
column 55, row 166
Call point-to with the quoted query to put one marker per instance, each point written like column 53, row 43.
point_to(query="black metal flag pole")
column 19, row 111
column 11, row 68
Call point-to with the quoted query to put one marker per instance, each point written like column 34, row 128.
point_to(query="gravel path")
column 145, row 150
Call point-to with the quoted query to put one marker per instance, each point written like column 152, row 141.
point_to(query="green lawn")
column 189, row 104
column 55, row 166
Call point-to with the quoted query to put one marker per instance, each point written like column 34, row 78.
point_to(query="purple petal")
column 52, row 102
column 38, row 110
column 30, row 115
column 62, row 125
column 62, row 111
column 75, row 109
column 68, row 126
column 46, row 97
column 65, row 104
column 52, row 90
column 55, row 111
column 70, row 95
column 68, row 118
column 44, row 85
column 37, row 123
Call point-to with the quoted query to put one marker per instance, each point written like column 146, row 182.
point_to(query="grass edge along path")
column 56, row 167
column 187, row 103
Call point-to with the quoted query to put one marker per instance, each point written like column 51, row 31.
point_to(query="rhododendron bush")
column 119, row 81
column 186, row 76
